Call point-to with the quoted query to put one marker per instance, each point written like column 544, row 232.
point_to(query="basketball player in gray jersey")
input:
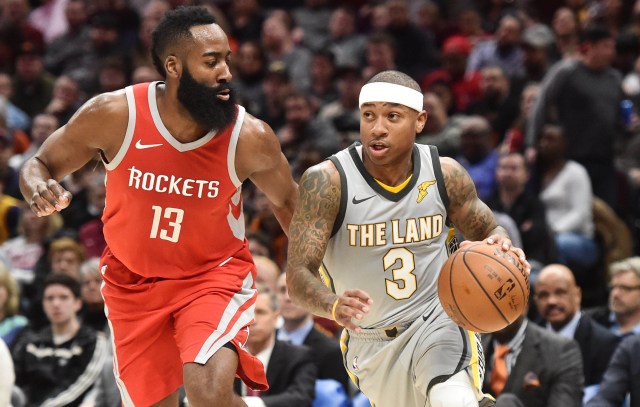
column 367, row 240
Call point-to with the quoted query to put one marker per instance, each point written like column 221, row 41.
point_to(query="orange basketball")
column 482, row 288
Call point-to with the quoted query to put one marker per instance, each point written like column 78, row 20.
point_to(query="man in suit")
column 299, row 329
column 539, row 367
column 558, row 301
column 291, row 373
column 621, row 377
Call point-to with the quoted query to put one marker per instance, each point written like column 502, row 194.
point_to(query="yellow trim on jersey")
column 324, row 277
column 395, row 189
column 343, row 348
column 473, row 363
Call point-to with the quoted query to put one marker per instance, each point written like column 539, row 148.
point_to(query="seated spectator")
column 565, row 190
column 21, row 253
column 267, row 272
column 290, row 370
column 441, row 130
column 514, row 137
column 512, row 198
column 478, row 156
column 623, row 315
column 503, row 51
column 66, row 99
column 59, row 364
column 539, row 367
column 299, row 329
column 11, row 323
column 92, row 313
column 558, row 298
column 42, row 127
column 621, row 377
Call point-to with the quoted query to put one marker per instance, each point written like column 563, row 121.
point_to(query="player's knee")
column 455, row 392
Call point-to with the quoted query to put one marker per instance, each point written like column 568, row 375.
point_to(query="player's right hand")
column 49, row 197
column 352, row 304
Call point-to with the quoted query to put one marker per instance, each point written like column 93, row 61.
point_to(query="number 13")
column 175, row 214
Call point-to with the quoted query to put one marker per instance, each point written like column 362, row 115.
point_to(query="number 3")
column 403, row 273
column 175, row 224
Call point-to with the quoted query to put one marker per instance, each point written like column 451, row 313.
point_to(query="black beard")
column 202, row 102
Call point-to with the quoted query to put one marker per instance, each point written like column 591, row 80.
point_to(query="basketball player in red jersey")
column 178, row 275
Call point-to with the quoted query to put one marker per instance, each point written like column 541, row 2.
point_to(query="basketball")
column 483, row 288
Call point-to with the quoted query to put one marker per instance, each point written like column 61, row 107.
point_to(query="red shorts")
column 158, row 325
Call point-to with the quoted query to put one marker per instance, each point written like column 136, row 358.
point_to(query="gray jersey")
column 389, row 244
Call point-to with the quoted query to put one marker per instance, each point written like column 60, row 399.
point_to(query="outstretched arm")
column 311, row 226
column 261, row 160
column 469, row 214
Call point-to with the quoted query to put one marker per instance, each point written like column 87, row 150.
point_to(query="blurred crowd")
column 537, row 99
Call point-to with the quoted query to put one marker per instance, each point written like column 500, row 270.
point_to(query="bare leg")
column 170, row 401
column 212, row 384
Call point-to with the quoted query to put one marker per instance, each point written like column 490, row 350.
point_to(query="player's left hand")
column 505, row 245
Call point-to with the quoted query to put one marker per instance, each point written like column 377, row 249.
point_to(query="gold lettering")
column 380, row 232
column 353, row 234
column 395, row 232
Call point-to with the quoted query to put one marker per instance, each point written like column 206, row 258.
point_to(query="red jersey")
column 172, row 209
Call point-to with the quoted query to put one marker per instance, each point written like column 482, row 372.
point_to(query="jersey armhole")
column 233, row 143
column 128, row 135
column 442, row 188
column 344, row 190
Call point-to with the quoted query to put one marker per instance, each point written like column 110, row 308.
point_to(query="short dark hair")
column 64, row 280
column 594, row 33
column 175, row 26
column 397, row 78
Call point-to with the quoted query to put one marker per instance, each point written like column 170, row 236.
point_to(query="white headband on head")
column 392, row 93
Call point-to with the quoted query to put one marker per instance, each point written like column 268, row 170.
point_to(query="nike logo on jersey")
column 141, row 146
column 357, row 201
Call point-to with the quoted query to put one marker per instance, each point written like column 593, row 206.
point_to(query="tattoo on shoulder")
column 460, row 188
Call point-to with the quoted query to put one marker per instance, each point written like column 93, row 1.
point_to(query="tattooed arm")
column 468, row 213
column 309, row 233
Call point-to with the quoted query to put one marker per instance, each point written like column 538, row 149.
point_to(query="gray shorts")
column 397, row 366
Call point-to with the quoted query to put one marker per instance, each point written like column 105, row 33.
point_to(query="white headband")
column 392, row 93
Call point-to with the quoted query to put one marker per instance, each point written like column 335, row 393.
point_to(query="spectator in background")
column 558, row 299
column 43, row 125
column 290, row 369
column 32, row 85
column 345, row 42
column 15, row 29
column 312, row 21
column 145, row 73
column 416, row 53
column 380, row 55
column 541, row 368
column 276, row 85
column 13, row 116
column 478, row 156
column 92, row 313
column 622, row 376
column 565, row 189
column 267, row 272
column 465, row 87
column 88, row 203
column 586, row 88
column 536, row 46
column 264, row 222
column 498, row 102
column 246, row 18
column 344, row 113
column 11, row 322
column 524, row 207
column 623, row 315
column 49, row 18
column 66, row 99
column 503, row 51
column 441, row 130
column 65, row 51
column 303, row 130
column 60, row 363
column 514, row 138
column 323, row 71
column 299, row 329
column 21, row 253
column 250, row 67
column 566, row 31
column 7, row 375
column 279, row 45
column 65, row 257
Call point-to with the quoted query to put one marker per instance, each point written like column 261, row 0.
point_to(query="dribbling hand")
column 351, row 304
column 49, row 197
column 506, row 245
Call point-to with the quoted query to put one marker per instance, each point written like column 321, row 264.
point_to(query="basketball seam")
column 515, row 276
column 453, row 295
column 482, row 288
